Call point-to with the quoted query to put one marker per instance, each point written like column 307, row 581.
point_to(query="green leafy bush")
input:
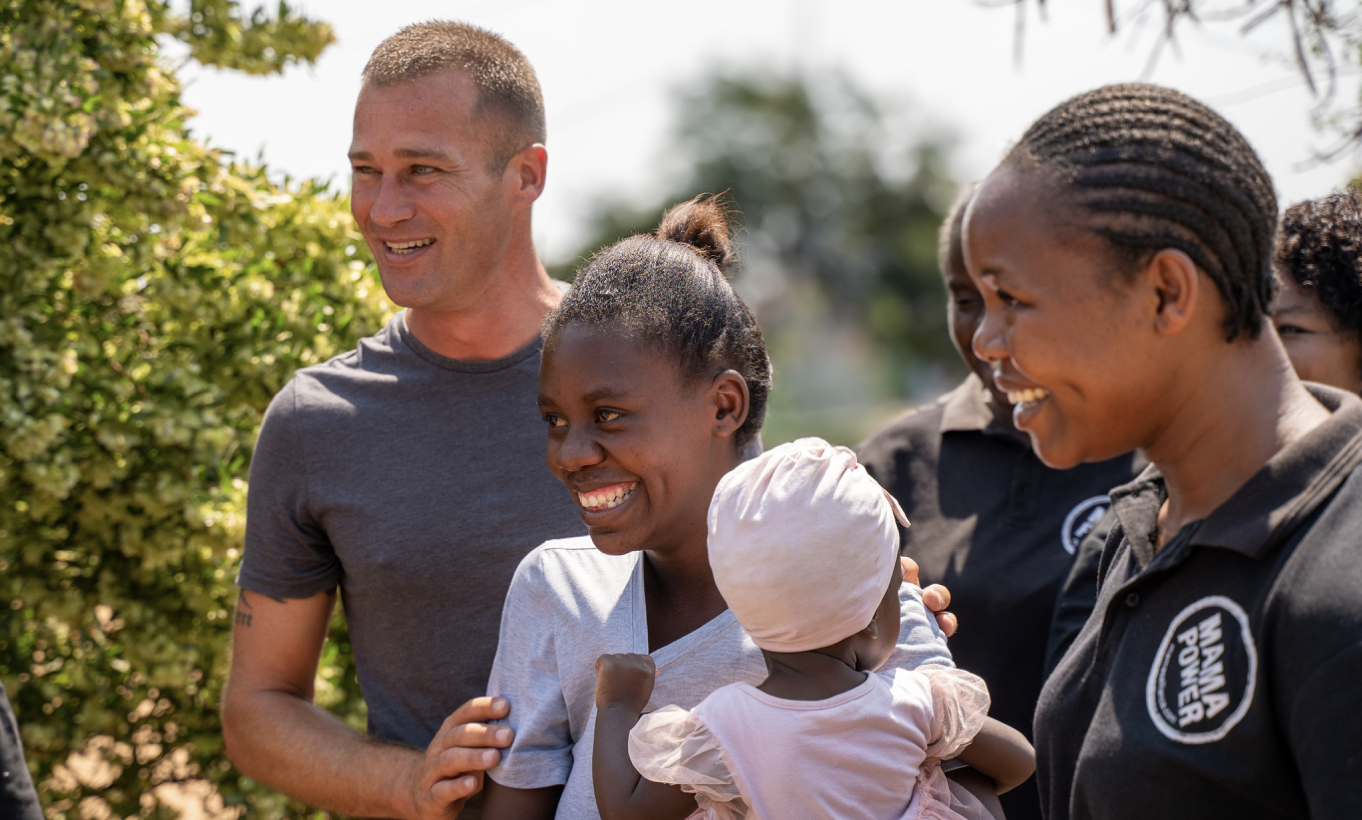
column 153, row 297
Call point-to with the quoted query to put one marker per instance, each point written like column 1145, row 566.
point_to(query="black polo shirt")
column 999, row 528
column 1078, row 595
column 1222, row 675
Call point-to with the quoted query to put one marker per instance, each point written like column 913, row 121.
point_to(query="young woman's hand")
column 624, row 679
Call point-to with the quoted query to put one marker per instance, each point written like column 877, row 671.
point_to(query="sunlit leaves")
column 153, row 297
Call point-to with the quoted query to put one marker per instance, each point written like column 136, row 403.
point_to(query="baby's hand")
column 625, row 680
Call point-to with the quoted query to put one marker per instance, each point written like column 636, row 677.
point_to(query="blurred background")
column 175, row 243
column 840, row 130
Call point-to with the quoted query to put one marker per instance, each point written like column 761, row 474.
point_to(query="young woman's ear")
column 1175, row 283
column 728, row 392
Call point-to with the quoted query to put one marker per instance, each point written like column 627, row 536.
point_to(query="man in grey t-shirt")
column 408, row 473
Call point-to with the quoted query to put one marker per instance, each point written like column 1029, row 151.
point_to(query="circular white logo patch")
column 1201, row 683
column 1080, row 521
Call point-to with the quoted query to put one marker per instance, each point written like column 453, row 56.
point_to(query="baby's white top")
column 747, row 754
column 569, row 604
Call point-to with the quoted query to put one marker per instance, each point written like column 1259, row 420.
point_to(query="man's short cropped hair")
column 507, row 86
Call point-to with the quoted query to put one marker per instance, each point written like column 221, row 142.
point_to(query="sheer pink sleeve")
column 960, row 700
column 672, row 745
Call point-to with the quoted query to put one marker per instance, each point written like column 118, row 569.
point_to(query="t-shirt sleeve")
column 921, row 641
column 525, row 673
column 287, row 552
column 673, row 745
column 960, row 703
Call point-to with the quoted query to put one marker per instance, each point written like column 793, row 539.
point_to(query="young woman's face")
column 1320, row 350
column 632, row 439
column 1067, row 343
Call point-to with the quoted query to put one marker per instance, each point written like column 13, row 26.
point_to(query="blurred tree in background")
column 154, row 297
column 839, row 207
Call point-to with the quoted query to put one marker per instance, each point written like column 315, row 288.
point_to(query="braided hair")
column 1151, row 168
column 669, row 290
column 1320, row 246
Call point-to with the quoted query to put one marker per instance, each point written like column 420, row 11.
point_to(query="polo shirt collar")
column 1272, row 504
column 969, row 408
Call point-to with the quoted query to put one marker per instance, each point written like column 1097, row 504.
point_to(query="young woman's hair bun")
column 669, row 289
column 701, row 223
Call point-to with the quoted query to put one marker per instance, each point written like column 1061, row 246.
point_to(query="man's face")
column 438, row 223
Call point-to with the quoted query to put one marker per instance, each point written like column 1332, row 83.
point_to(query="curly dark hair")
column 1151, row 168
column 1320, row 246
column 669, row 289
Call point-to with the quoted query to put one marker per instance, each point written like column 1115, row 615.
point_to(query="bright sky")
column 609, row 69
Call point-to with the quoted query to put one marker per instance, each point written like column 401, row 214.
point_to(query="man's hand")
column 625, row 679
column 452, row 768
column 935, row 597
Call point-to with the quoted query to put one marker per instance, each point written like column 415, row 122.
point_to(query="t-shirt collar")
column 1273, row 503
column 399, row 324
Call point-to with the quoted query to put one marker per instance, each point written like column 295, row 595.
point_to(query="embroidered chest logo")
column 1201, row 683
column 1081, row 520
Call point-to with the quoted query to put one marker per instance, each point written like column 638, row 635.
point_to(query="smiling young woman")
column 1124, row 250
column 653, row 387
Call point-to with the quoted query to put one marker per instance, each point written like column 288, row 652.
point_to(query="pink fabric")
column 867, row 753
column 802, row 542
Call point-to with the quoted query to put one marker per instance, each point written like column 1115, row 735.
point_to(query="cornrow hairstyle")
column 950, row 240
column 669, row 290
column 506, row 82
column 1151, row 168
column 1320, row 246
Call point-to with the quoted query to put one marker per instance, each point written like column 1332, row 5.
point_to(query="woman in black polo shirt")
column 990, row 521
column 1124, row 250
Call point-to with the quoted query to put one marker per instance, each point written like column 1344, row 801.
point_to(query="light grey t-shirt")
column 415, row 484
column 569, row 604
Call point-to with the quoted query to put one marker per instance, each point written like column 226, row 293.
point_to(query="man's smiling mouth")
column 407, row 247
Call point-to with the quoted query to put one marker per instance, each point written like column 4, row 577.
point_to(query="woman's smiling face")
column 1067, row 340
column 633, row 439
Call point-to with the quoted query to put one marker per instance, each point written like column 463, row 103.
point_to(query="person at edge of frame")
column 409, row 474
column 1318, row 316
column 990, row 520
column 18, row 800
column 1124, row 250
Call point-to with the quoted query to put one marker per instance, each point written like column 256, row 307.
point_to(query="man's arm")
column 276, row 735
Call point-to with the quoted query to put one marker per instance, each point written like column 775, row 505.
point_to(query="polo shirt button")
column 1133, row 600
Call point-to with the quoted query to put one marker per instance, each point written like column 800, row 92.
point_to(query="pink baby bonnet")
column 802, row 541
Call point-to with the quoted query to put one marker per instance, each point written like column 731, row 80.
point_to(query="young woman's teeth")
column 408, row 247
column 607, row 498
column 1031, row 395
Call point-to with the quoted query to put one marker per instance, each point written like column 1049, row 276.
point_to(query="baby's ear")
column 873, row 629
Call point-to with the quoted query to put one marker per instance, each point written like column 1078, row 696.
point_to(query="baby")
column 804, row 549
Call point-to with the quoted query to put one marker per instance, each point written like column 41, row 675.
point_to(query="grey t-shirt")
column 415, row 483
column 568, row 605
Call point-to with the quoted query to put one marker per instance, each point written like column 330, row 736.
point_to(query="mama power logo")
column 1201, row 683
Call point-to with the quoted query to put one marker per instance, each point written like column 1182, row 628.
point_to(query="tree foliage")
column 839, row 201
column 153, row 296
